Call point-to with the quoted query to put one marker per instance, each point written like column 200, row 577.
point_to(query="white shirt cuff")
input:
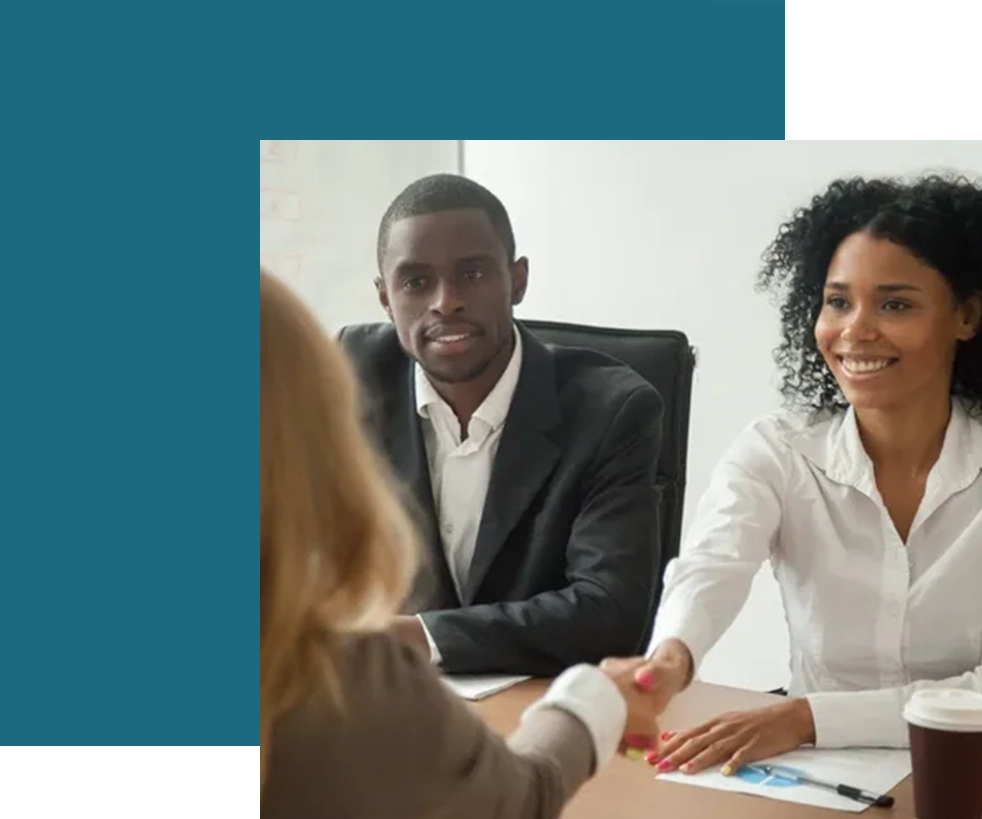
column 849, row 719
column 591, row 696
column 690, row 628
column 435, row 657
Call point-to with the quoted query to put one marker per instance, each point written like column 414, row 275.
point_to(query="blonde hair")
column 336, row 550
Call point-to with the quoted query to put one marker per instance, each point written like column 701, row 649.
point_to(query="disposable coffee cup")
column 945, row 726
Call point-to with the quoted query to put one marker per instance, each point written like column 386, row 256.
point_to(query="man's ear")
column 519, row 279
column 383, row 296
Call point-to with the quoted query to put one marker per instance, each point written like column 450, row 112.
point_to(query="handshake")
column 732, row 740
column 648, row 686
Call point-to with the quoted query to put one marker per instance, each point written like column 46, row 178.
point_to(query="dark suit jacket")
column 566, row 560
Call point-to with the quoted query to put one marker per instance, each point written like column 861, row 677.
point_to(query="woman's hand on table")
column 737, row 738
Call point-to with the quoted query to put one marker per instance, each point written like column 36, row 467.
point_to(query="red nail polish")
column 664, row 765
column 644, row 678
column 638, row 740
column 667, row 736
column 651, row 758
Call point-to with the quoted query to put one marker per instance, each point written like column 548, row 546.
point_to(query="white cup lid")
column 945, row 709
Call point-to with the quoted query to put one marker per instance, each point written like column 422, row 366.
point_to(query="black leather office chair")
column 664, row 359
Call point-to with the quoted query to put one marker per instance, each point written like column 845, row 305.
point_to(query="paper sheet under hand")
column 478, row 686
column 872, row 769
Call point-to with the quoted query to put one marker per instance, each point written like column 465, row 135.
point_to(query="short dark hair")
column 446, row 191
column 936, row 217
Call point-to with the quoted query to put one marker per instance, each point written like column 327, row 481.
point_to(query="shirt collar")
column 834, row 446
column 494, row 408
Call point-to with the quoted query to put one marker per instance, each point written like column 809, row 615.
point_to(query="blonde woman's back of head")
column 336, row 551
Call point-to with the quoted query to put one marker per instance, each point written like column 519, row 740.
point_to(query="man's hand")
column 738, row 738
column 409, row 629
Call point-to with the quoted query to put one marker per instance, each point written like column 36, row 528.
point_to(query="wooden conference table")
column 626, row 788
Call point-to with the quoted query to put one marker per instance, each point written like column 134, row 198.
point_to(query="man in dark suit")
column 532, row 468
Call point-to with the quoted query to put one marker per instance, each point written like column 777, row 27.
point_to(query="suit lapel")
column 526, row 457
column 407, row 450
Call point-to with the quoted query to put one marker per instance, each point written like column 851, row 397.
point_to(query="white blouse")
column 870, row 619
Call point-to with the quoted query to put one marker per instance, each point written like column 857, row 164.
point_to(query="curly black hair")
column 938, row 218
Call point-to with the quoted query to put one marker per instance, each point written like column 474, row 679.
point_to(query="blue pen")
column 877, row 801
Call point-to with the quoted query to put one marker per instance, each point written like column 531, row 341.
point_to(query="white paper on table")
column 479, row 686
column 872, row 769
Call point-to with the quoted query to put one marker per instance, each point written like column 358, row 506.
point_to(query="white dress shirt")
column 870, row 618
column 460, row 470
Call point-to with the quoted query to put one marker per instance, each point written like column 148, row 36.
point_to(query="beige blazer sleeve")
column 405, row 746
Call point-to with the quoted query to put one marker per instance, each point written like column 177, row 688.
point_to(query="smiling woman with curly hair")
column 938, row 220
column 865, row 493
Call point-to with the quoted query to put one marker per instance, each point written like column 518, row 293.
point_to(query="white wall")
column 320, row 202
column 669, row 235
